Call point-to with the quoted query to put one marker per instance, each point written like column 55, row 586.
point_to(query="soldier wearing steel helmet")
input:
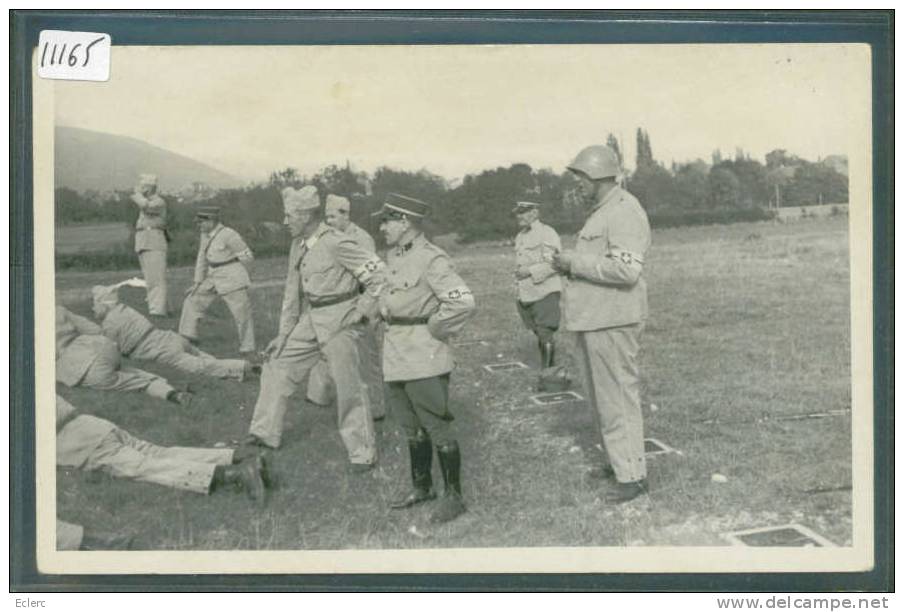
column 605, row 303
column 425, row 302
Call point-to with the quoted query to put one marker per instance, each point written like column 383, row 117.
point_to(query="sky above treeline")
column 456, row 110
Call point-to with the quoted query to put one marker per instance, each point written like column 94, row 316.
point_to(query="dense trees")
column 479, row 205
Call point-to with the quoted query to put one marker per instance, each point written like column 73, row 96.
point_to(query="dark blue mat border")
column 448, row 27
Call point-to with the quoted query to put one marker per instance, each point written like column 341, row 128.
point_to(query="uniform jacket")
column 151, row 224
column 329, row 265
column 78, row 343
column 422, row 282
column 126, row 327
column 534, row 247
column 77, row 435
column 606, row 287
column 221, row 245
column 362, row 237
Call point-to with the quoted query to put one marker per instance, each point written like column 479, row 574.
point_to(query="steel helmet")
column 597, row 162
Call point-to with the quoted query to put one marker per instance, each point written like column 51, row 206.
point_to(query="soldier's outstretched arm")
column 623, row 264
column 455, row 298
column 367, row 268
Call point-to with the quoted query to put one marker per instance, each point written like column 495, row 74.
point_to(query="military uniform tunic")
column 84, row 356
column 139, row 339
column 321, row 389
column 320, row 311
column 151, row 246
column 220, row 271
column 89, row 443
column 605, row 301
column 425, row 302
column 539, row 293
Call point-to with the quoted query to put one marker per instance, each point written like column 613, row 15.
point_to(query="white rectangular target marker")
column 790, row 535
column 507, row 366
column 545, row 399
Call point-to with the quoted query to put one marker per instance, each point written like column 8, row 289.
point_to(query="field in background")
column 749, row 326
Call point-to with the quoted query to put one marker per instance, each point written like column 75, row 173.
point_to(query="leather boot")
column 548, row 352
column 450, row 505
column 246, row 475
column 420, row 450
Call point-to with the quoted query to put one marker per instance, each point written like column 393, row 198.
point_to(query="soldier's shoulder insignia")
column 371, row 265
column 626, row 257
column 458, row 293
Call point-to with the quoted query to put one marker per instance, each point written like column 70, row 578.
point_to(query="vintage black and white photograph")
column 470, row 308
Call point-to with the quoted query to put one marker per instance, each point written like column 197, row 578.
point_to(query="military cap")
column 396, row 204
column 334, row 202
column 147, row 179
column 208, row 212
column 522, row 207
column 102, row 294
column 297, row 200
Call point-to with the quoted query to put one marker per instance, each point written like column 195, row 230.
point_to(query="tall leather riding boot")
column 451, row 504
column 420, row 451
column 548, row 352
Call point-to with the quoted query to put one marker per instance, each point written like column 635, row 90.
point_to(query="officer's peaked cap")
column 397, row 203
column 208, row 212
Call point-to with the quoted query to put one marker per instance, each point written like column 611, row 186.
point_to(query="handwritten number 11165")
column 71, row 59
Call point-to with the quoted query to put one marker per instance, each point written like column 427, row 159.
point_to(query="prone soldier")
column 425, row 302
column 219, row 272
column 85, row 357
column 323, row 315
column 137, row 338
column 89, row 443
column 606, row 304
column 151, row 241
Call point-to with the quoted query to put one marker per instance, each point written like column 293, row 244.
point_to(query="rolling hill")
column 85, row 159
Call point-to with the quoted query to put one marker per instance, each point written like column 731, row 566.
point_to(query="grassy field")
column 749, row 325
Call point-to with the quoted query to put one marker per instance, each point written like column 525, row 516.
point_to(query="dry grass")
column 749, row 323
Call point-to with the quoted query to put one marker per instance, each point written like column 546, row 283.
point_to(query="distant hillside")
column 85, row 159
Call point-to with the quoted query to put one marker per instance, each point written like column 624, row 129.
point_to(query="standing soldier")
column 323, row 313
column 320, row 388
column 137, row 338
column 606, row 304
column 150, row 241
column 539, row 284
column 425, row 302
column 219, row 271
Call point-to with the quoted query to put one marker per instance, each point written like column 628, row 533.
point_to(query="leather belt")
column 143, row 337
column 223, row 263
column 407, row 320
column 332, row 301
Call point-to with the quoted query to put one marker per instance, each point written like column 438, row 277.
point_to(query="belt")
column 143, row 337
column 332, row 301
column 407, row 320
column 223, row 263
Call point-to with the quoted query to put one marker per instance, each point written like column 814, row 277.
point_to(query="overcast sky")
column 455, row 110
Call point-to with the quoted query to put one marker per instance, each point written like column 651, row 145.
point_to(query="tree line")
column 478, row 207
